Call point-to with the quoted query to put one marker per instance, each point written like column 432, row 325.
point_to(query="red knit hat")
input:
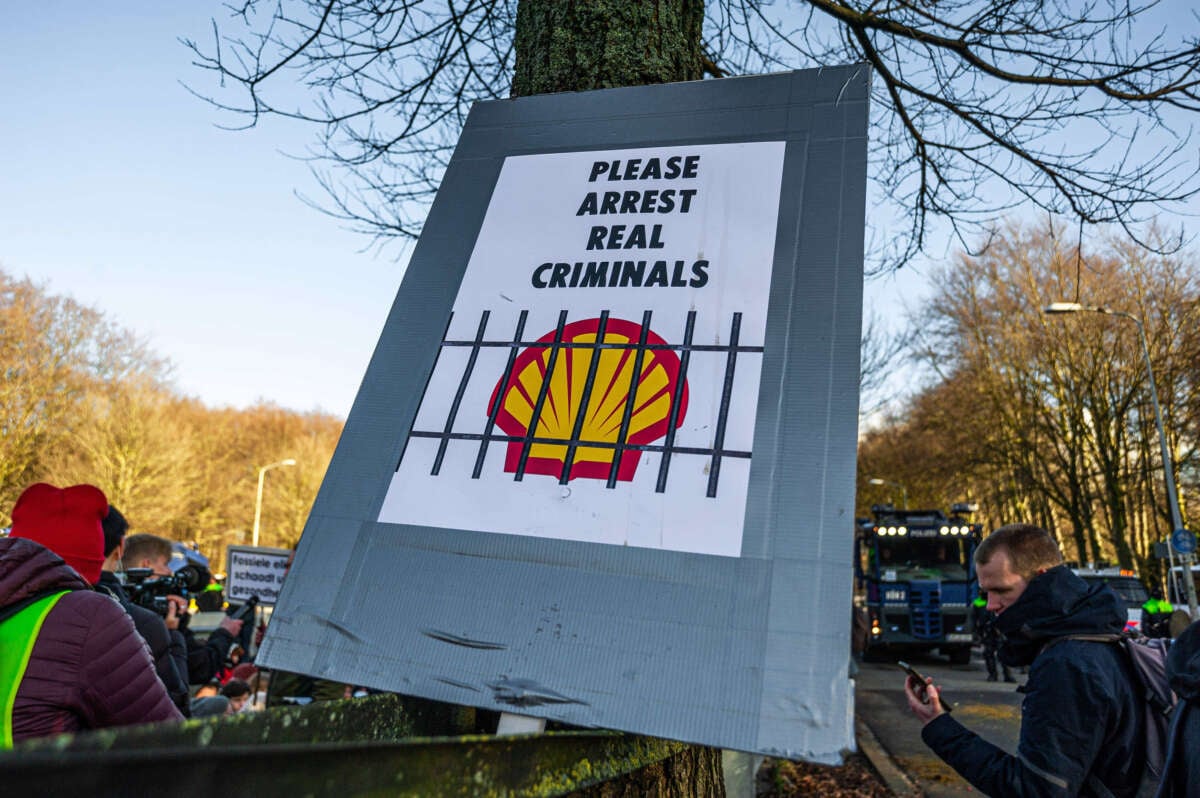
column 67, row 521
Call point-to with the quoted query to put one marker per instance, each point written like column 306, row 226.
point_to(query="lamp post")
column 903, row 490
column 1168, row 470
column 262, row 473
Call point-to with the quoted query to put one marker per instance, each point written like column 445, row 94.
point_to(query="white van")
column 1126, row 585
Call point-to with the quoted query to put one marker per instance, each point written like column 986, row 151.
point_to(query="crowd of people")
column 77, row 653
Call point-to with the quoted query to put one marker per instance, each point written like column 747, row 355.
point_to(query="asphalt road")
column 992, row 709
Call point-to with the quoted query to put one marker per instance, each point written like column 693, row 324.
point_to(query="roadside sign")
column 1183, row 541
column 255, row 571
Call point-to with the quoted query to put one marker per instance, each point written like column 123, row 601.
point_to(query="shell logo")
column 561, row 395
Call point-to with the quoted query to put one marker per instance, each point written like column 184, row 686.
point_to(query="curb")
column 896, row 779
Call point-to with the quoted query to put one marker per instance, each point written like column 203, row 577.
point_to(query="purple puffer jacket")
column 89, row 668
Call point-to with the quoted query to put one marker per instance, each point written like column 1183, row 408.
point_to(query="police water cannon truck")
column 915, row 580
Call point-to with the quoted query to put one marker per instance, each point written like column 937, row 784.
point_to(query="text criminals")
column 664, row 273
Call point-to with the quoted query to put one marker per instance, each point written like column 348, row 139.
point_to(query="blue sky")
column 118, row 188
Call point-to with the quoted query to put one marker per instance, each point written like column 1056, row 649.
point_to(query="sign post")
column 1183, row 541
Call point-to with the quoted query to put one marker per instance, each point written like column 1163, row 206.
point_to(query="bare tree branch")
column 1083, row 109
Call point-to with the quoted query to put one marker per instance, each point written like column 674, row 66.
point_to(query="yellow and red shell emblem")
column 562, row 399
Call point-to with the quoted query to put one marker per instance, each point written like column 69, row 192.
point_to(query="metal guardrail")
column 361, row 747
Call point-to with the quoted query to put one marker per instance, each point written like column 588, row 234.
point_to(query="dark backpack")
column 1148, row 656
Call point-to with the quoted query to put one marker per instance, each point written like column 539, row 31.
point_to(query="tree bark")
column 693, row 773
column 577, row 45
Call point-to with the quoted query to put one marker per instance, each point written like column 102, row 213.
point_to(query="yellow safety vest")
column 18, row 633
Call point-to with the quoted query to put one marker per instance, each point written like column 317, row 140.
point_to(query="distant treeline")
column 83, row 400
column 1048, row 418
column 1037, row 418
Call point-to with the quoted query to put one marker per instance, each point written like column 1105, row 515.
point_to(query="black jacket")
column 1183, row 755
column 205, row 660
column 1082, row 714
column 167, row 646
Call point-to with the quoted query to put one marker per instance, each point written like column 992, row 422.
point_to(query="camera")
column 150, row 591
column 193, row 577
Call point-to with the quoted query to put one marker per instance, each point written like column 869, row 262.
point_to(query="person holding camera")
column 204, row 660
column 168, row 648
column 72, row 657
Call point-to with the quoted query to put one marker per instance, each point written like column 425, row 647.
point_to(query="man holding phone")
column 922, row 682
column 1082, row 729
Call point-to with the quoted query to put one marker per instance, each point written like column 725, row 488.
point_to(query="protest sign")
column 601, row 466
column 255, row 571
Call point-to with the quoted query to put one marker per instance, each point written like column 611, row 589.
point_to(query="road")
column 993, row 709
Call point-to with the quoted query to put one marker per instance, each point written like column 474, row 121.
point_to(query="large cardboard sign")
column 255, row 571
column 601, row 466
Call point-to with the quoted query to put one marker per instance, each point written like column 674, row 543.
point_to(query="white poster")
column 599, row 376
column 255, row 571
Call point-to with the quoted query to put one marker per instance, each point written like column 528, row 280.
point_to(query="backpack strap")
column 13, row 609
column 18, row 632
column 1159, row 695
column 1112, row 638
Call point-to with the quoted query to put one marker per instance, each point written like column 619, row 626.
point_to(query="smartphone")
column 920, row 677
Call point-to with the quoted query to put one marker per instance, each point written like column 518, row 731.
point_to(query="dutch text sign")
column 255, row 571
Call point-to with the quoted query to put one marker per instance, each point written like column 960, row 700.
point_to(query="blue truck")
column 915, row 581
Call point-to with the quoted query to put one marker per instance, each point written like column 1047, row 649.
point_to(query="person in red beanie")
column 70, row 658
column 68, row 521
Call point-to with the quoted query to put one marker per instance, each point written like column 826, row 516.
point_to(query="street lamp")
column 262, row 473
column 903, row 490
column 1055, row 308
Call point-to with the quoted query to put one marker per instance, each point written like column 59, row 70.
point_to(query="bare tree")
column 83, row 400
column 127, row 440
column 882, row 354
column 55, row 355
column 1049, row 419
column 979, row 104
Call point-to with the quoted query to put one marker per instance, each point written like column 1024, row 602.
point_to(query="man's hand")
column 923, row 699
column 176, row 609
column 234, row 627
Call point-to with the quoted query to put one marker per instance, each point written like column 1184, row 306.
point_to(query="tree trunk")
column 577, row 45
column 693, row 773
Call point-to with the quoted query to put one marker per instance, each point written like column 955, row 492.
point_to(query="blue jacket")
column 1183, row 754
column 1082, row 714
